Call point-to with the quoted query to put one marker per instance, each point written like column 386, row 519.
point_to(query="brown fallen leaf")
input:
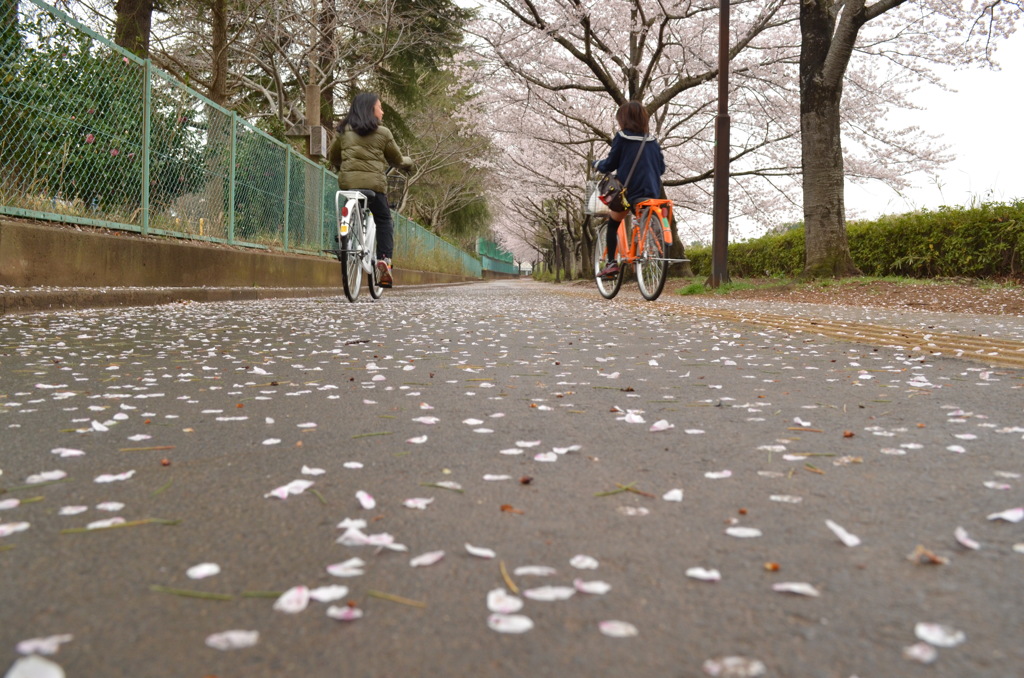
column 848, row 434
column 508, row 508
column 923, row 556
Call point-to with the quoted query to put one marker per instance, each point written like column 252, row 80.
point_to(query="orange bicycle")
column 646, row 247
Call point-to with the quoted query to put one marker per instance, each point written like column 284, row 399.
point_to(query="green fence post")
column 287, row 192
column 147, row 110
column 231, row 179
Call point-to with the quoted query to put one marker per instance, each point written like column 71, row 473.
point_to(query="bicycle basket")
column 592, row 203
column 396, row 189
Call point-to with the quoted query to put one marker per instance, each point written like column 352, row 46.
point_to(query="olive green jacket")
column 363, row 161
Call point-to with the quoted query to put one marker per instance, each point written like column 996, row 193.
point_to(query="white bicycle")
column 357, row 243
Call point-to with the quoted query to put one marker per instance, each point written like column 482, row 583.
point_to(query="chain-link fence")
column 91, row 134
column 495, row 258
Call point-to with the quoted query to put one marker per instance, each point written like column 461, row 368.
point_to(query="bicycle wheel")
column 608, row 287
column 651, row 267
column 352, row 261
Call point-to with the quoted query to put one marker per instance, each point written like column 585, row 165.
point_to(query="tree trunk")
column 132, row 25
column 219, row 81
column 827, row 251
column 327, row 58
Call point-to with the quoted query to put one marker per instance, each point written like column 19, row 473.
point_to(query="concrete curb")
column 46, row 266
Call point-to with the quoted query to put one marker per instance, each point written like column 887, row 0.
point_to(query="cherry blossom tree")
column 556, row 70
column 905, row 38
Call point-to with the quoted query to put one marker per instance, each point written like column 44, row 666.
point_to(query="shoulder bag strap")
column 635, row 161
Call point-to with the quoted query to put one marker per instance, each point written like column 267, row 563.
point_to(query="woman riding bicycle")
column 645, row 184
column 361, row 154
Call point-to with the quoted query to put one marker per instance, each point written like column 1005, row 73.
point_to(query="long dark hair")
column 360, row 116
column 633, row 117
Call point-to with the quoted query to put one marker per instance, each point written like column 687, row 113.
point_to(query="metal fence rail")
column 91, row 134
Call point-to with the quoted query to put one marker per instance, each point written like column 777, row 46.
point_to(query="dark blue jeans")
column 378, row 205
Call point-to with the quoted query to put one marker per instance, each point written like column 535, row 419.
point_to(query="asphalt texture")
column 568, row 423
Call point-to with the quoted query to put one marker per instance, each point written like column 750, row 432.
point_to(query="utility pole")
column 720, row 210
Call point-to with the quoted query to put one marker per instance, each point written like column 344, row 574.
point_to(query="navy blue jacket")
column 646, row 181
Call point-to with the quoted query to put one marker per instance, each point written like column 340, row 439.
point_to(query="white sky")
column 983, row 124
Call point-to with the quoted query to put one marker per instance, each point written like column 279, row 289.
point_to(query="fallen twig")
column 130, row 523
column 508, row 580
column 395, row 599
column 187, row 593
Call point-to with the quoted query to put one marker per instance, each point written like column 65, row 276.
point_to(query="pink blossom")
column 114, row 152
column 89, row 138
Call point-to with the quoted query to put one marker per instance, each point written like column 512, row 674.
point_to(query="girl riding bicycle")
column 361, row 154
column 645, row 183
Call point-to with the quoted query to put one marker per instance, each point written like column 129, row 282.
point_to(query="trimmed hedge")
column 986, row 241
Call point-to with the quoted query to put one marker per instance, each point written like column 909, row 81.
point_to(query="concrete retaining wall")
column 43, row 255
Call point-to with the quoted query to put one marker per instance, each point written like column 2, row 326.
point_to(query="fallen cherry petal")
column 109, row 522
column 45, row 477
column 418, row 440
column 495, row 477
column 583, row 562
column 449, row 485
column 1014, row 515
column 480, row 551
column 920, row 652
column 7, row 504
column 71, row 510
column 995, row 485
column 203, row 570
column 501, row 601
column 734, row 667
column 328, row 594
column 420, row 503
column 426, row 559
column 633, row 511
column 308, row 471
column 786, row 498
column 114, row 477
column 661, row 425
column 110, row 506
column 798, row 587
column 352, row 464
column 717, row 475
column 294, row 487
column 704, row 574
column 353, row 567
column 344, row 613
column 597, row 588
column 965, row 541
column 426, row 420
column 546, row 456
column 233, row 640
column 48, row 645
column 527, row 443
column 673, row 495
column 534, row 571
column 509, row 623
column 67, row 452
column 844, row 536
column 366, row 500
column 293, row 601
column 35, row 666
column 939, row 635
column 743, row 532
column 614, row 628
column 550, row 593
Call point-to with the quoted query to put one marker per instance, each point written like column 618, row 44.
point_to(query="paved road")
column 539, row 404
